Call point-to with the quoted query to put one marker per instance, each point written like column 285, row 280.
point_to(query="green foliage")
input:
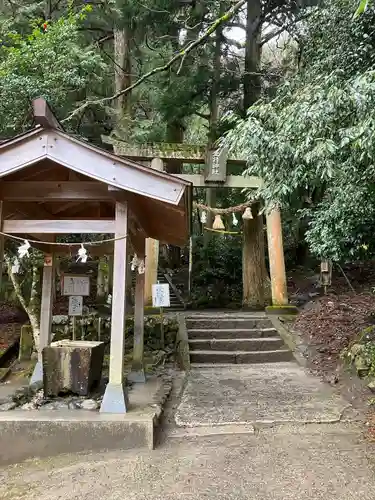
column 217, row 272
column 52, row 63
column 313, row 144
column 361, row 353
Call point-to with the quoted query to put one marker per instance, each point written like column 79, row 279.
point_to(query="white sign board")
column 74, row 284
column 75, row 305
column 160, row 296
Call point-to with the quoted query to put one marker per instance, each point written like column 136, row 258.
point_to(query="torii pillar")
column 276, row 258
column 152, row 251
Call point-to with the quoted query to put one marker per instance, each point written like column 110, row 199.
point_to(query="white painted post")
column 45, row 314
column 115, row 397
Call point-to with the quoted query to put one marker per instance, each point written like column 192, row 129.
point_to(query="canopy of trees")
column 313, row 143
column 170, row 70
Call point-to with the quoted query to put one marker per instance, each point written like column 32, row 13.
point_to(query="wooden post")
column 252, row 271
column 152, row 251
column 138, row 372
column 115, row 397
column 276, row 257
column 151, row 268
column 190, row 265
column 45, row 313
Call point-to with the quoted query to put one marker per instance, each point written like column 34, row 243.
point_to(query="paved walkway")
column 315, row 463
column 250, row 394
column 294, row 459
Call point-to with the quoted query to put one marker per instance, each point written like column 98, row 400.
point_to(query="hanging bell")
column 234, row 219
column 203, row 217
column 247, row 215
column 218, row 223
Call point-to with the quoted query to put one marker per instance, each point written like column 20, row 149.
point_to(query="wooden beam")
column 27, row 209
column 54, row 191
column 232, row 181
column 43, row 114
column 166, row 151
column 14, row 226
column 115, row 397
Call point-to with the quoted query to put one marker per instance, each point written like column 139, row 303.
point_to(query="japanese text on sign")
column 75, row 305
column 160, row 295
column 76, row 285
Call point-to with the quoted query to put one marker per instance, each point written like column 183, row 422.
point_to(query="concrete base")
column 31, row 434
column 137, row 377
column 37, row 375
column 280, row 310
column 115, row 399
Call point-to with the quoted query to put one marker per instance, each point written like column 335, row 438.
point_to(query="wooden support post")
column 45, row 336
column 115, row 397
column 151, row 268
column 138, row 372
column 252, row 271
column 152, row 251
column 276, row 257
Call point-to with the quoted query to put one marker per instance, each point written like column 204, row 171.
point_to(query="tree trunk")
column 123, row 68
column 32, row 307
column 253, row 254
column 254, row 265
column 252, row 86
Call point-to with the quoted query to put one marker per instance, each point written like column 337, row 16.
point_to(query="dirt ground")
column 327, row 323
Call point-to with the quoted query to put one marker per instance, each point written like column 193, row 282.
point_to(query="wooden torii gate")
column 214, row 175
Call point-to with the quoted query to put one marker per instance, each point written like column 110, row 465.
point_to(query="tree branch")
column 160, row 69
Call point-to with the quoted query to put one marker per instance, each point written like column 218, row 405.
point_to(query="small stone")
column 36, row 386
column 362, row 366
column 74, row 405
column 356, row 349
column 28, row 406
column 371, row 385
column 89, row 404
column 8, row 406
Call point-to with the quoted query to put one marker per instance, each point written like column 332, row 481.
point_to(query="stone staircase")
column 234, row 338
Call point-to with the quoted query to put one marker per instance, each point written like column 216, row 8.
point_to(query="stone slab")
column 35, row 434
column 238, row 344
column 46, row 433
column 259, row 394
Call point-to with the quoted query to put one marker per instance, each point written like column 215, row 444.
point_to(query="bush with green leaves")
column 217, row 272
column 313, row 144
column 53, row 62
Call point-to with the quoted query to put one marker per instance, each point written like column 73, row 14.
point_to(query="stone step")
column 240, row 345
column 240, row 357
column 226, row 323
column 231, row 333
